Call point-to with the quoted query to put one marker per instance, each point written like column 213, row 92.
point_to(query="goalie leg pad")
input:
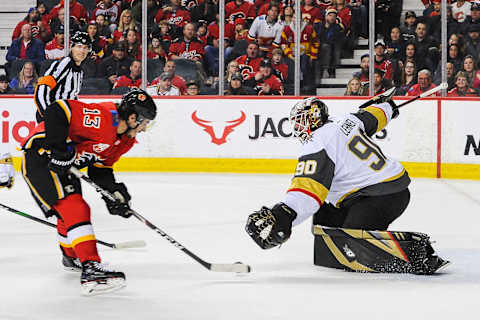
column 375, row 251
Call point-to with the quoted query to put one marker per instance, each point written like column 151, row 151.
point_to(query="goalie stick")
column 441, row 86
column 217, row 267
column 119, row 245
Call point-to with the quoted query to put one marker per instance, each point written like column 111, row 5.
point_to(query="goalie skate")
column 97, row 279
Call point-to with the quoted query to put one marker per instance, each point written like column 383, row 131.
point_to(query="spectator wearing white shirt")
column 460, row 10
column 266, row 30
column 164, row 86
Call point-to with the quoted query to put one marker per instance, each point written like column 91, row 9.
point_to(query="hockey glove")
column 62, row 161
column 271, row 227
column 7, row 173
column 121, row 207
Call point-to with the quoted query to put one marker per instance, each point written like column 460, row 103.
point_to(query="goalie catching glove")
column 120, row 207
column 271, row 227
column 7, row 173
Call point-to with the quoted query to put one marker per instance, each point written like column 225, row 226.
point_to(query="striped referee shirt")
column 63, row 80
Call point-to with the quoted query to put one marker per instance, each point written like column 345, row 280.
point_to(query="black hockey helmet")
column 81, row 37
column 307, row 116
column 137, row 101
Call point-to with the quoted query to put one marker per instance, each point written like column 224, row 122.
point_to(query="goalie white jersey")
column 341, row 162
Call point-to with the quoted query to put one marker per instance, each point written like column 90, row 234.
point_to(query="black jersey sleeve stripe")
column 370, row 122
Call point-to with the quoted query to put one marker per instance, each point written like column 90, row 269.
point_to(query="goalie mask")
column 307, row 116
column 138, row 102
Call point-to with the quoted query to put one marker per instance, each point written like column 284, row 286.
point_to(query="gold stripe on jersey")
column 37, row 195
column 89, row 237
column 65, row 245
column 310, row 187
column 354, row 265
column 99, row 165
column 66, row 109
column 29, row 142
column 395, row 177
column 58, row 185
column 345, row 195
column 380, row 115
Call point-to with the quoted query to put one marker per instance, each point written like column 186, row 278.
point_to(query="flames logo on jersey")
column 236, row 15
column 142, row 97
column 208, row 128
column 245, row 70
column 100, row 147
column 189, row 4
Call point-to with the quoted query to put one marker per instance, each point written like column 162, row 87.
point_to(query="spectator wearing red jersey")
column 126, row 23
column 424, row 84
column 280, row 69
column 177, row 81
column 240, row 9
column 77, row 11
column 324, row 4
column 264, row 8
column 38, row 30
column 381, row 62
column 175, row 14
column 264, row 81
column 311, row 13
column 308, row 48
column 266, row 30
column 249, row 63
column 344, row 15
column 133, row 79
column 462, row 89
column 111, row 11
column 55, row 49
column 187, row 47
column 156, row 51
column 240, row 32
column 363, row 74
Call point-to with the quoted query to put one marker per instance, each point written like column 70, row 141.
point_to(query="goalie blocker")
column 375, row 251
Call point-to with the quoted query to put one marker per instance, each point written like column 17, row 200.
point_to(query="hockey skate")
column 71, row 264
column 98, row 279
column 435, row 263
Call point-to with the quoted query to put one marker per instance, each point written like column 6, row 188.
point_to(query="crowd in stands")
column 408, row 57
column 259, row 36
column 183, row 45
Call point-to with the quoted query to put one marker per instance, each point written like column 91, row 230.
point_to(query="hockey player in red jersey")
column 348, row 185
column 91, row 135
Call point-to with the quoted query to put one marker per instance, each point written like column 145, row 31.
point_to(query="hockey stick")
column 120, row 245
column 218, row 267
column 443, row 85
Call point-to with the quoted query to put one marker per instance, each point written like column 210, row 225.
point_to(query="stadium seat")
column 44, row 66
column 120, row 90
column 95, row 86
column 13, row 68
column 154, row 68
column 187, row 69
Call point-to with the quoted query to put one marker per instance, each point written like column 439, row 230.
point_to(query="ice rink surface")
column 207, row 213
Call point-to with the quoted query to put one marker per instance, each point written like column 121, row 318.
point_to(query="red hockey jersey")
column 93, row 129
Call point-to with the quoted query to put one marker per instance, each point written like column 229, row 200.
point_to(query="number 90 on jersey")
column 306, row 168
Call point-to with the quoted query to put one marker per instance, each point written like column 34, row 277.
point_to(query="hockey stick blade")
column 230, row 267
column 441, row 86
column 130, row 244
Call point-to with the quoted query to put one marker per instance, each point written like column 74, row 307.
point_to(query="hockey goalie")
column 352, row 189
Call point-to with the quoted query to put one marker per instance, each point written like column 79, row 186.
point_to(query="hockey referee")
column 63, row 79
